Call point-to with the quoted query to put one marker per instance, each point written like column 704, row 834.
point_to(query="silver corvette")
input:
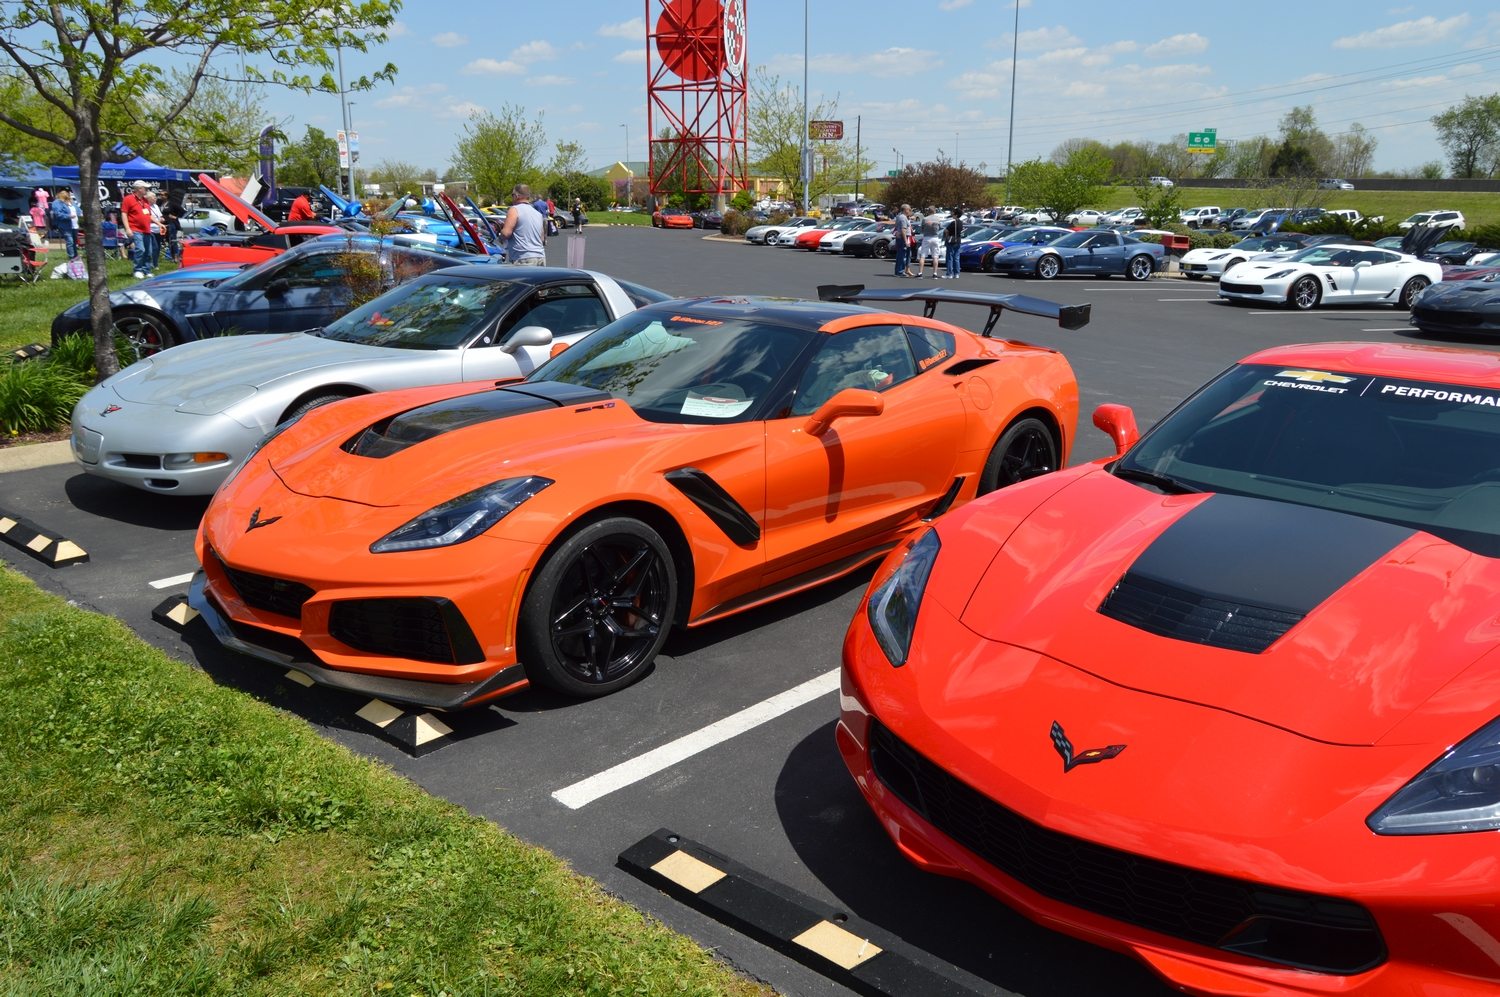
column 180, row 421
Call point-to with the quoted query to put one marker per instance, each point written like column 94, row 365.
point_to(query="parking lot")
column 729, row 742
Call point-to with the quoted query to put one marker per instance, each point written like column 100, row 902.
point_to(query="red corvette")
column 1228, row 701
column 694, row 459
column 267, row 241
column 671, row 218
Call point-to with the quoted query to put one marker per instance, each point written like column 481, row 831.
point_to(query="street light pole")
column 353, row 152
column 900, row 159
column 806, row 138
column 344, row 107
column 1010, row 145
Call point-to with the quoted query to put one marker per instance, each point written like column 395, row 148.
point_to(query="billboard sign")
column 826, row 130
column 1205, row 142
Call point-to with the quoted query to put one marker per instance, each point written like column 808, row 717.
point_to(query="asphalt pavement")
column 729, row 741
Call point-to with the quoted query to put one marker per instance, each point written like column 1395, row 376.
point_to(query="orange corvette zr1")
column 443, row 546
column 1228, row 701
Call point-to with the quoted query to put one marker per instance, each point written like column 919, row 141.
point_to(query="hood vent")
column 407, row 429
column 1169, row 611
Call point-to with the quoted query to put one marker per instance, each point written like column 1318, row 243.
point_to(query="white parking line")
column 173, row 582
column 581, row 794
column 1329, row 314
column 1184, row 299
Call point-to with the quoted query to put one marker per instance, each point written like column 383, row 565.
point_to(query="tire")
column 1304, row 294
column 1409, row 292
column 316, row 401
column 1048, row 267
column 1025, row 450
column 599, row 609
column 1236, row 261
column 1139, row 268
column 1192, row 276
column 880, row 250
column 145, row 334
column 988, row 263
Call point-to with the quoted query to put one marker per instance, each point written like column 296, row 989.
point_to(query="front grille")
column 1241, row 288
column 274, row 595
column 422, row 629
column 1324, row 934
column 1182, row 614
column 1454, row 317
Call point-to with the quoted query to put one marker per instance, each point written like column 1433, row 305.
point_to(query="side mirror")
column 527, row 335
column 850, row 401
column 1119, row 422
column 278, row 287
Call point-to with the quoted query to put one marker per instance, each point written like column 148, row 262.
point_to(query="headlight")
column 1278, row 274
column 894, row 603
column 463, row 518
column 1458, row 792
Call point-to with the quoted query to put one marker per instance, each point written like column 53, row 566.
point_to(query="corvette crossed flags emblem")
column 1088, row 757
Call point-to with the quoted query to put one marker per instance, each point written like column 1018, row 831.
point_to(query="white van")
column 1204, row 217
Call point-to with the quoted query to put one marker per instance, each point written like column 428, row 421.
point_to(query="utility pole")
column 857, row 119
column 806, row 137
column 1010, row 145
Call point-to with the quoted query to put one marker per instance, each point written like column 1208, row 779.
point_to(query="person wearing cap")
column 523, row 230
column 135, row 212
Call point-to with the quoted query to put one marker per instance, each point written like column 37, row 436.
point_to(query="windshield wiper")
column 316, row 330
column 1169, row 485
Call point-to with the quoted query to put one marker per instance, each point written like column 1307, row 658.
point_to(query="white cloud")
column 550, row 81
column 463, row 109
column 1419, row 82
column 397, row 29
column 1062, row 55
column 417, row 96
column 631, row 30
column 493, row 67
column 1187, row 44
column 450, row 39
column 891, row 62
column 632, row 56
column 954, row 4
column 1089, row 90
column 1042, row 39
column 536, row 51
column 1407, row 34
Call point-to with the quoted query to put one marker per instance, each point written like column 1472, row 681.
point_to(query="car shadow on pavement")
column 841, row 843
column 683, row 642
column 134, row 507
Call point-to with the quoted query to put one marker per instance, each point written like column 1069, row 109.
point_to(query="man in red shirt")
column 135, row 215
column 302, row 210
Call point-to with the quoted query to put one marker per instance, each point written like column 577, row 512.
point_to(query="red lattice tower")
column 695, row 91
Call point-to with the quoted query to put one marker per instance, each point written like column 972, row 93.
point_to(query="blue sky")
column 935, row 75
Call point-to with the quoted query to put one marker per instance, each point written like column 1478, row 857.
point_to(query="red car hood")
column 1383, row 617
column 237, row 206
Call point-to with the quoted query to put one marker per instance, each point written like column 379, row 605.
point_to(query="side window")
column 561, row 308
column 929, row 347
column 875, row 357
column 406, row 265
column 311, row 271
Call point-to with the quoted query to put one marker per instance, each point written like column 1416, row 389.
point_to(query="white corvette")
column 1209, row 262
column 833, row 242
column 1332, row 273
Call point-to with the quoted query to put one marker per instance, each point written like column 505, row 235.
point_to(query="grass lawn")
column 163, row 835
column 620, row 218
column 27, row 310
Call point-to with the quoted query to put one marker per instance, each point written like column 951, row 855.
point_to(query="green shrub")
column 75, row 354
column 37, row 397
column 735, row 223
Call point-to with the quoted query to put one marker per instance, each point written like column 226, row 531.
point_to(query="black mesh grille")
column 274, row 595
column 1182, row 614
column 1326, row 934
column 1453, row 317
column 419, row 629
column 1240, row 288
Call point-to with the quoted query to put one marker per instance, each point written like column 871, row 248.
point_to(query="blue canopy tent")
column 135, row 168
column 27, row 175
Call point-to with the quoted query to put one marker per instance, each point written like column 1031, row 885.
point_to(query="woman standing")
column 65, row 220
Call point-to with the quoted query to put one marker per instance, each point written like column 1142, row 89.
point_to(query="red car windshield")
column 1421, row 454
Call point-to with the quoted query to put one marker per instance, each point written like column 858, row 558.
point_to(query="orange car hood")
column 532, row 439
column 1392, row 615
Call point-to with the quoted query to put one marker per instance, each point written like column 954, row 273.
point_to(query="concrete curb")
column 32, row 455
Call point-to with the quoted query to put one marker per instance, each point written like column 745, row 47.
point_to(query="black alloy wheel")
column 1025, row 450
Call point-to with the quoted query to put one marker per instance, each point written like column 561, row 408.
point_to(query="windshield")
column 437, row 312
column 1333, row 256
column 1073, row 240
column 679, row 368
column 1033, row 235
column 1422, row 454
column 1451, row 247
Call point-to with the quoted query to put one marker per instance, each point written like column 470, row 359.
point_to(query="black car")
column 874, row 242
column 1454, row 252
column 1225, row 217
column 708, row 218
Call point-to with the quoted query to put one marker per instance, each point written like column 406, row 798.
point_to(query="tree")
column 498, row 151
column 396, row 176
column 90, row 59
column 1299, row 130
column 1064, row 187
column 595, row 192
column 1293, row 161
column 1159, row 205
column 1353, row 151
column 312, row 160
column 1470, row 134
column 219, row 129
column 774, row 134
column 939, row 184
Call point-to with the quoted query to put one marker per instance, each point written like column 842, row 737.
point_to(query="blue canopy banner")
column 135, row 168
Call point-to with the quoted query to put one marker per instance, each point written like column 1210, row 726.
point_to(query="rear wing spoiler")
column 1067, row 316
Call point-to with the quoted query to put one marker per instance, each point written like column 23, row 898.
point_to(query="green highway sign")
column 1205, row 141
column 893, row 173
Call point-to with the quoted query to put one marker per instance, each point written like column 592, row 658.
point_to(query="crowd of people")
column 144, row 226
column 927, row 235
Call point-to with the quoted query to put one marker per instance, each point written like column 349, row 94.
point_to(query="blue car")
column 980, row 253
column 303, row 288
column 1093, row 252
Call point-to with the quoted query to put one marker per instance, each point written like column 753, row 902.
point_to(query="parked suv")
column 1441, row 217
column 1159, row 181
column 1206, row 217
column 1334, row 183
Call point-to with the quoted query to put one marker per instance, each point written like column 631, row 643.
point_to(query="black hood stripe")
column 407, row 429
column 1239, row 572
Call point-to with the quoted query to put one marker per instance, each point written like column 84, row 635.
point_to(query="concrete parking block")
column 39, row 542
